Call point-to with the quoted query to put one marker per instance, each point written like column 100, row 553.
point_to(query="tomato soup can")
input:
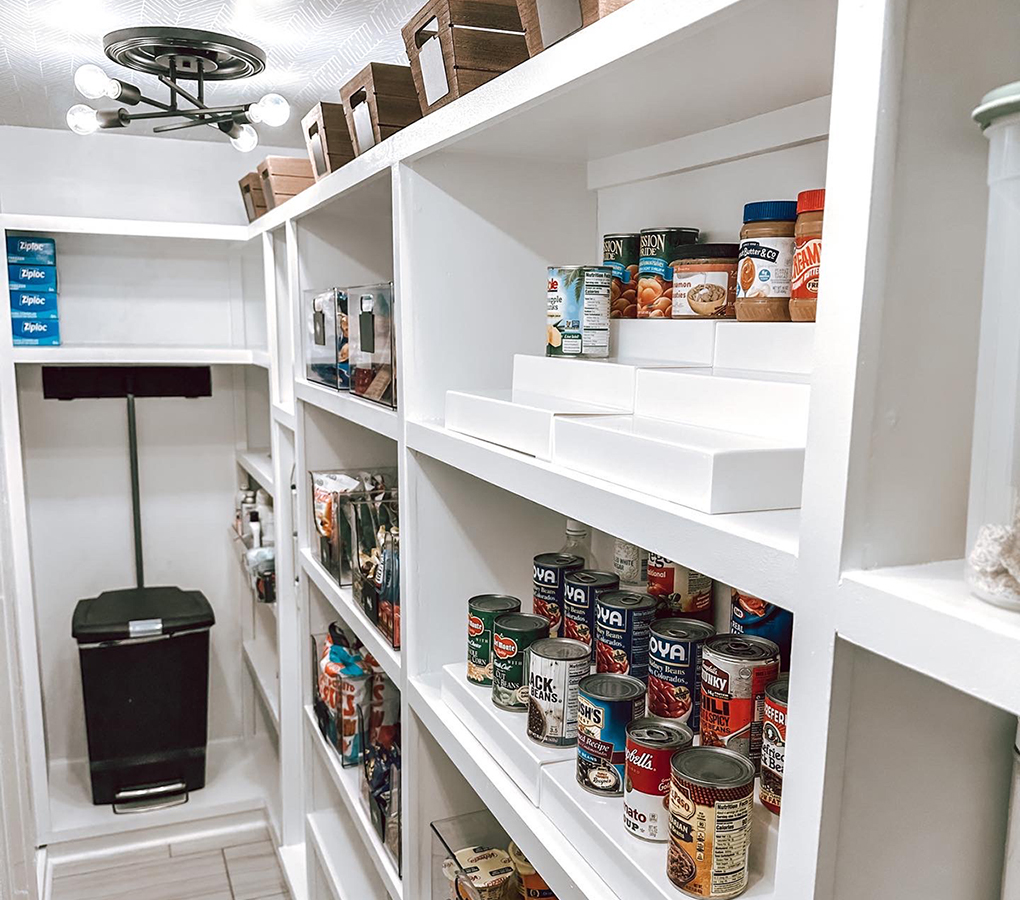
column 555, row 669
column 651, row 744
column 482, row 613
column 621, row 252
column 512, row 635
column 749, row 615
column 606, row 706
column 549, row 585
column 711, row 799
column 580, row 591
column 678, row 590
column 735, row 670
column 622, row 623
column 773, row 743
column 655, row 269
column 674, row 669
column 530, row 885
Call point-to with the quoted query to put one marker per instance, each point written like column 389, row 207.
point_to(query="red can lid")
column 811, row 201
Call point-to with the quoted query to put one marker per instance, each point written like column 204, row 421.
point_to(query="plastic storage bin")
column 471, row 859
column 376, row 583
column 372, row 355
column 325, row 342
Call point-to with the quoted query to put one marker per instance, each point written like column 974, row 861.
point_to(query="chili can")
column 530, row 885
column 482, row 613
column 773, row 743
column 711, row 800
column 655, row 269
column 555, row 669
column 651, row 744
column 679, row 591
column 580, row 591
column 750, row 615
column 549, row 585
column 606, row 706
column 622, row 622
column 621, row 252
column 735, row 670
column 512, row 635
column 577, row 313
column 674, row 669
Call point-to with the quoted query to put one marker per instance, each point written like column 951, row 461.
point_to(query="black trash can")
column 145, row 678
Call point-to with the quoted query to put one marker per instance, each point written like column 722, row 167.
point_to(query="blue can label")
column 674, row 679
column 750, row 615
column 602, row 742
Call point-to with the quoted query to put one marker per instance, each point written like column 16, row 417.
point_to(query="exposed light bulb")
column 246, row 139
column 93, row 82
column 273, row 110
column 82, row 119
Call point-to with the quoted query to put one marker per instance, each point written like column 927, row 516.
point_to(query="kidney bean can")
column 622, row 622
column 630, row 563
column 773, row 743
column 577, row 314
column 711, row 800
column 606, row 706
column 620, row 252
column 555, row 669
column 651, row 743
column 674, row 669
column 735, row 670
column 549, row 585
column 655, row 269
column 482, row 613
column 530, row 884
column 512, row 635
column 678, row 590
column 749, row 615
column 580, row 591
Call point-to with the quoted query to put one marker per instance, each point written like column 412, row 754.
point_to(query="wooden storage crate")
column 284, row 176
column 252, row 195
column 327, row 138
column 548, row 21
column 378, row 102
column 456, row 45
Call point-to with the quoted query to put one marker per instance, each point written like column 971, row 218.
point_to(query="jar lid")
column 811, row 201
column 998, row 103
column 707, row 251
column 770, row 211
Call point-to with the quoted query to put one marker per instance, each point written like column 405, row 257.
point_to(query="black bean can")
column 581, row 589
column 512, row 635
column 549, row 579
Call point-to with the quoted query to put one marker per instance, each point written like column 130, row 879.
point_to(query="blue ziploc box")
column 34, row 305
column 30, row 277
column 28, row 248
column 36, row 332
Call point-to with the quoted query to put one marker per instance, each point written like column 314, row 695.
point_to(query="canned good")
column 485, row 873
column 655, row 269
column 620, row 252
column 555, row 668
column 512, row 635
column 749, row 615
column 622, row 621
column 577, row 314
column 735, row 670
column 711, row 798
column 482, row 613
column 679, row 591
column 651, row 744
column 773, row 743
column 549, row 585
column 580, row 591
column 630, row 563
column 530, row 885
column 606, row 706
column 674, row 669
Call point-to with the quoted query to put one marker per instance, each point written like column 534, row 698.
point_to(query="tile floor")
column 220, row 867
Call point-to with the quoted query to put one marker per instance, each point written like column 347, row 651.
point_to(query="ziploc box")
column 28, row 248
column 30, row 277
column 34, row 305
column 36, row 332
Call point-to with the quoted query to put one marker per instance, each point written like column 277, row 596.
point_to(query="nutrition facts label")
column 729, row 857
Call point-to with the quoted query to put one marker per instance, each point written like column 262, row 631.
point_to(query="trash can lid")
column 140, row 612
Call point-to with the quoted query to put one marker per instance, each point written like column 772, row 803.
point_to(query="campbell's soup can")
column 651, row 743
column 530, row 884
column 482, row 613
column 773, row 743
column 711, row 800
column 512, row 636
column 735, row 670
column 549, row 585
column 607, row 704
column 750, row 615
column 622, row 623
column 674, row 669
column 679, row 591
column 555, row 669
column 580, row 591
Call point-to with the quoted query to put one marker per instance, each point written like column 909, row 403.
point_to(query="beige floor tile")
column 110, row 861
column 219, row 841
column 254, row 872
column 202, row 876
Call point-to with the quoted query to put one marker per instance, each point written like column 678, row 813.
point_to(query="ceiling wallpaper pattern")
column 312, row 48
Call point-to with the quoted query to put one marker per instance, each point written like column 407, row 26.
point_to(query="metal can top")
column 779, row 690
column 560, row 648
column 559, row 561
column 666, row 734
column 742, row 647
column 627, row 600
column 607, row 686
column 622, row 234
column 687, row 231
column 591, row 578
column 683, row 629
column 524, row 623
column 714, row 767
column 494, row 603
column 572, row 268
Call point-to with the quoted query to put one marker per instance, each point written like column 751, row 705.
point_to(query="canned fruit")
column 621, row 252
column 651, row 743
column 549, row 572
column 482, row 613
column 622, row 622
column 555, row 669
column 674, row 669
column 577, row 313
column 581, row 589
column 655, row 269
column 773, row 743
column 606, row 706
column 512, row 635
column 679, row 591
column 751, row 615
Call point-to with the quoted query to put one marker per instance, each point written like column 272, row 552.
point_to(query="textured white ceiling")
column 312, row 48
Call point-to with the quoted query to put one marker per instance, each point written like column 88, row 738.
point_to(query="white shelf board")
column 924, row 617
column 191, row 231
column 115, row 354
column 347, row 784
column 756, row 552
column 284, row 417
column 369, row 415
column 260, row 659
column 323, row 827
column 343, row 602
column 295, row 872
column 258, row 464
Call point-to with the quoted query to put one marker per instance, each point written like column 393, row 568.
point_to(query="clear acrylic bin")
column 326, row 333
column 372, row 349
column 376, row 579
column 471, row 859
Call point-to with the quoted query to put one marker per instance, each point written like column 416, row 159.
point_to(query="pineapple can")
column 577, row 313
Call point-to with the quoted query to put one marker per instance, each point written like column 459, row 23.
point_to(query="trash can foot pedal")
column 151, row 797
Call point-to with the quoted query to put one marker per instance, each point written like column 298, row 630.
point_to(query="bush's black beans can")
column 581, row 589
column 555, row 669
column 550, row 572
column 622, row 623
column 674, row 669
column 651, row 743
column 482, row 613
column 606, row 706
column 512, row 635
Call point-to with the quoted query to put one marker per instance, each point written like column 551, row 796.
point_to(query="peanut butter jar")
column 765, row 261
column 807, row 255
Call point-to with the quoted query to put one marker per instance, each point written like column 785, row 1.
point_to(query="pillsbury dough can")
column 555, row 669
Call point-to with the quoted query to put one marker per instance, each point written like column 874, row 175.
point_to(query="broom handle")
column 136, row 506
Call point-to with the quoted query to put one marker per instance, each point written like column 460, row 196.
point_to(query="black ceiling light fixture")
column 176, row 55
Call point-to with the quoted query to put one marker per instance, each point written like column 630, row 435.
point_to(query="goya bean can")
column 651, row 744
column 735, row 670
column 655, row 269
column 678, row 590
column 773, row 743
column 674, row 669
column 530, row 884
column 555, row 669
column 622, row 623
column 512, row 635
column 711, row 799
column 580, row 591
column 577, row 314
column 482, row 613
column 606, row 706
column 750, row 615
column 550, row 571
column 621, row 252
